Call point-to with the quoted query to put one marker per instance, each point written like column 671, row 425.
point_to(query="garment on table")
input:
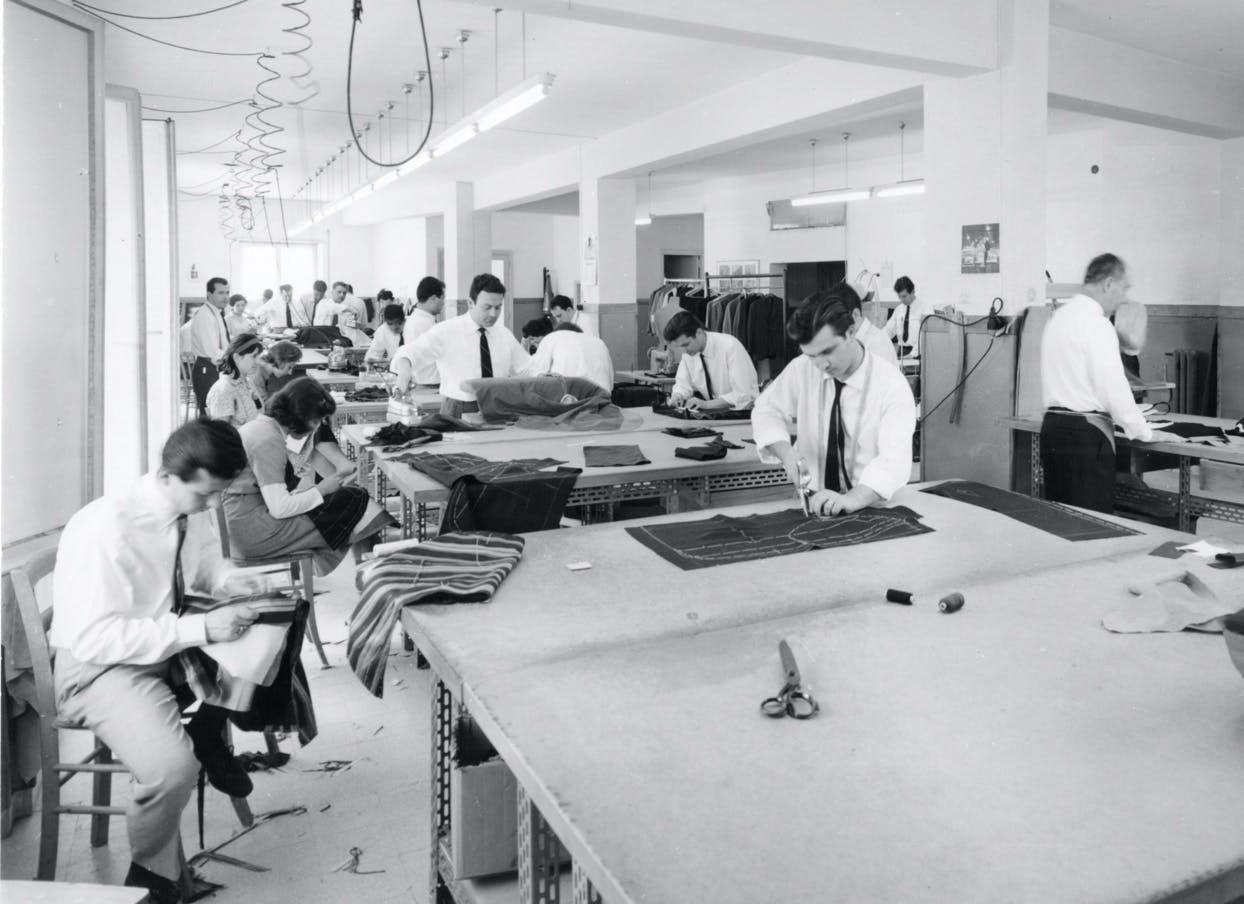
column 231, row 400
column 1081, row 370
column 552, row 403
column 368, row 394
column 1196, row 432
column 451, row 568
column 694, row 414
column 690, row 432
column 729, row 366
column 448, row 467
column 1078, row 459
column 722, row 539
column 513, row 504
column 613, row 456
column 570, row 354
column 878, row 418
column 1049, row 517
column 432, row 423
column 319, row 336
column 710, row 451
column 876, row 341
column 455, row 349
column 1178, row 601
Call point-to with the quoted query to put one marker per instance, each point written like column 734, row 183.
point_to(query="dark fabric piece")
column 636, row 395
column 539, row 402
column 448, row 467
column 613, row 456
column 485, row 354
column 285, row 705
column 444, row 423
column 721, row 540
column 395, row 434
column 320, row 337
column 1044, row 516
column 513, row 504
column 203, row 376
column 706, row 452
column 368, row 394
column 688, row 414
column 1077, row 462
column 836, row 476
column 451, row 568
column 1168, row 550
column 339, row 515
column 1193, row 431
column 690, row 432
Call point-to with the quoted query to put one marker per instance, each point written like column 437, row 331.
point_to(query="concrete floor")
column 378, row 804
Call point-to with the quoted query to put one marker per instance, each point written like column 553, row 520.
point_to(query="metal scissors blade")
column 789, row 666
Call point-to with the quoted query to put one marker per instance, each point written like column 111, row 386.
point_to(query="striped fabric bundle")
column 452, row 568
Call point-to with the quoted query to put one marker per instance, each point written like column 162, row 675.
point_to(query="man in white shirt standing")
column 125, row 563
column 904, row 323
column 473, row 346
column 570, row 352
column 562, row 310
column 715, row 372
column 1086, row 392
column 429, row 302
column 208, row 338
column 855, row 413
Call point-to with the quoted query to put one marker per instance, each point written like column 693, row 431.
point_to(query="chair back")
column 35, row 624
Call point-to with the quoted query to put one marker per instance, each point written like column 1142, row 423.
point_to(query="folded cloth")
column 566, row 399
column 1174, row 602
column 613, row 456
column 706, row 452
column 717, row 414
column 690, row 432
column 1231, row 557
column 448, row 424
column 368, row 394
column 451, row 568
column 447, row 468
column 1196, row 432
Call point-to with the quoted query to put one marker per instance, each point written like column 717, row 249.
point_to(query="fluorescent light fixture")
column 837, row 196
column 643, row 220
column 454, row 137
column 414, row 163
column 515, row 101
column 899, row 189
column 387, row 179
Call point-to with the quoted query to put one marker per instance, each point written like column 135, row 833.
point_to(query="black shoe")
column 222, row 768
column 159, row 889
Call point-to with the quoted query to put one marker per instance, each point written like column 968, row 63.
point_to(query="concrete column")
column 468, row 242
column 984, row 160
column 607, row 268
column 1231, row 292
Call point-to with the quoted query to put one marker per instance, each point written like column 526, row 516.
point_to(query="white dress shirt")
column 572, row 354
column 876, row 341
column 1081, row 369
column 325, row 311
column 208, row 336
column 894, row 326
column 384, row 344
column 357, row 307
column 113, row 590
column 729, row 365
column 418, row 322
column 878, row 418
column 271, row 315
column 453, row 346
column 302, row 312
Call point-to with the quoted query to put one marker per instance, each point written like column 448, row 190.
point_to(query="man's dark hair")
column 850, row 297
column 214, row 282
column 319, row 286
column 539, row 327
column 568, row 327
column 819, row 310
column 393, row 313
column 429, row 287
column 1102, row 267
column 286, row 287
column 486, row 282
column 213, row 446
column 267, row 294
column 343, row 285
column 684, row 323
column 241, row 344
column 298, row 403
column 384, row 295
column 561, row 301
column 904, row 284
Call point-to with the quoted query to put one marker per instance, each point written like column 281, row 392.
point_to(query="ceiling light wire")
column 206, row 12
column 139, row 34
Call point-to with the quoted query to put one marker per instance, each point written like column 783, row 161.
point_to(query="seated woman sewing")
column 268, row 517
column 230, row 398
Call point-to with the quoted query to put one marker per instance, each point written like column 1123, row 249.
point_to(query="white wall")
column 400, row 257
column 566, row 257
column 202, row 245
column 529, row 239
column 351, row 257
column 666, row 235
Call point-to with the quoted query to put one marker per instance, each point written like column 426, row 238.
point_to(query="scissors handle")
column 800, row 705
column 773, row 707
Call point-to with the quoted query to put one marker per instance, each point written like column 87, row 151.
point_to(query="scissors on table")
column 792, row 700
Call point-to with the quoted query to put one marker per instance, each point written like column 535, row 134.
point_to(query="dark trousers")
column 203, row 377
column 1077, row 461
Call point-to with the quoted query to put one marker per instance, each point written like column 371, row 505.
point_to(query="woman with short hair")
column 230, row 397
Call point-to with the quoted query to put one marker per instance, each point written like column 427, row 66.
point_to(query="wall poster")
column 981, row 250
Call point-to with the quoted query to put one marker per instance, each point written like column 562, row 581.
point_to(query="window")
column 268, row 266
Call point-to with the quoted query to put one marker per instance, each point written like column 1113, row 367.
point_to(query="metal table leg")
column 1185, row 494
column 538, row 868
column 1038, row 478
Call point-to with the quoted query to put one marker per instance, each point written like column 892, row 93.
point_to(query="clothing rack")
column 708, row 287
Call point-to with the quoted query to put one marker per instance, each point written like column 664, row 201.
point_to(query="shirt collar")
column 150, row 503
column 1088, row 302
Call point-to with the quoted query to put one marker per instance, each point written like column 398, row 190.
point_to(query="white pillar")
column 607, row 269
column 468, row 242
column 1231, row 292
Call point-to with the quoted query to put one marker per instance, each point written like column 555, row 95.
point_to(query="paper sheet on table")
column 1204, row 548
column 254, row 656
column 1175, row 601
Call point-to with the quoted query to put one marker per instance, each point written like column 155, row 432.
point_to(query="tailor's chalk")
column 578, row 566
column 951, row 603
column 902, row 597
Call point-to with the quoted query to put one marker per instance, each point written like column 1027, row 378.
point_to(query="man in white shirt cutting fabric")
column 124, row 566
column 855, row 413
column 715, row 372
column 1086, row 392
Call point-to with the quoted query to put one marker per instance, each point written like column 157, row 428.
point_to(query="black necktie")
column 179, row 579
column 485, row 354
column 906, row 321
column 225, row 324
column 708, row 380
column 289, row 318
column 835, row 452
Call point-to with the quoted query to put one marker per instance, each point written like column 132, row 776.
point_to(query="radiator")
column 1190, row 372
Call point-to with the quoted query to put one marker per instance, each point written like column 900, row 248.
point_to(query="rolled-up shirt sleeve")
column 1110, row 382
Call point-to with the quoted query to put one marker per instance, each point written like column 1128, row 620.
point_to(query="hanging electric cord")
column 296, row 31
column 204, row 150
column 280, row 197
column 139, row 34
column 994, row 310
column 206, row 12
column 357, row 16
column 235, row 103
column 224, row 217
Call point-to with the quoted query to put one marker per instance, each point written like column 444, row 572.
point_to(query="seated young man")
column 534, row 331
column 388, row 338
column 715, row 372
column 570, row 352
column 124, row 565
column 854, row 413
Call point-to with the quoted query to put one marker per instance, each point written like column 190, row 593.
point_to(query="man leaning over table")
column 854, row 412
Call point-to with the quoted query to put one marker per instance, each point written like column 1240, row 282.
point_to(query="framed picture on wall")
column 738, row 271
column 981, row 250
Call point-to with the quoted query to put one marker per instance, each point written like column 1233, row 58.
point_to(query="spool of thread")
column 950, row 603
column 902, row 597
